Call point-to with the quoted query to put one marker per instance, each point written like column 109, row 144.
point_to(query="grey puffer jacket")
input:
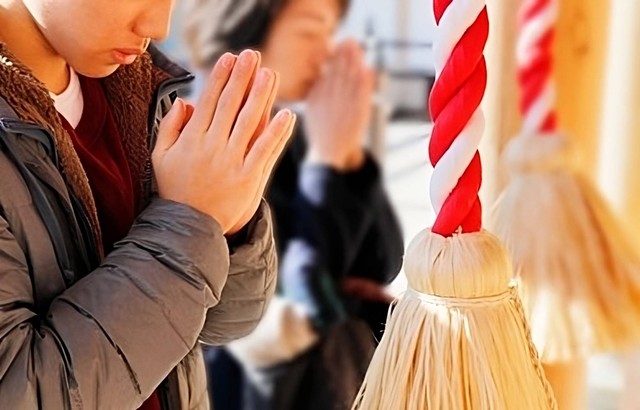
column 79, row 330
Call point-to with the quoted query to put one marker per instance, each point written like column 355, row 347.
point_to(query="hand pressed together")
column 339, row 108
column 218, row 156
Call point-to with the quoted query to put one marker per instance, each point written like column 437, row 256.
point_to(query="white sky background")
column 407, row 20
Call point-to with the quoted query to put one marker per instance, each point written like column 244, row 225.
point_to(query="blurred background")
column 597, row 56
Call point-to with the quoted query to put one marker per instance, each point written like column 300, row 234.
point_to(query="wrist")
column 356, row 159
column 317, row 157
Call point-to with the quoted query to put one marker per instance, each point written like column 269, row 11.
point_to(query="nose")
column 325, row 49
column 154, row 21
column 322, row 51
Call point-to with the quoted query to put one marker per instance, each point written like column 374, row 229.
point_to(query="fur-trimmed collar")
column 130, row 92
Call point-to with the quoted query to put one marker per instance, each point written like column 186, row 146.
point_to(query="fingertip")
column 285, row 115
column 189, row 108
column 275, row 86
column 265, row 75
column 223, row 67
column 248, row 58
column 176, row 108
column 282, row 121
column 170, row 125
column 292, row 126
column 227, row 60
column 289, row 126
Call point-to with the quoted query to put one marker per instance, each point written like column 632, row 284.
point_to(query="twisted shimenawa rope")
column 461, row 78
column 535, row 65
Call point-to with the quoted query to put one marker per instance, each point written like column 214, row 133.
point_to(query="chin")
column 97, row 71
column 297, row 93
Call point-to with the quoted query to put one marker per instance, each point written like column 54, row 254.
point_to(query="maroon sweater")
column 98, row 143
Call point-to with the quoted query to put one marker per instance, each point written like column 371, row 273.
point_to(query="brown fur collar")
column 129, row 91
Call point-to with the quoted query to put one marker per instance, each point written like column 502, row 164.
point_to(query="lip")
column 126, row 55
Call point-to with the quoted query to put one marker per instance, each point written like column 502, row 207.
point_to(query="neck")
column 25, row 40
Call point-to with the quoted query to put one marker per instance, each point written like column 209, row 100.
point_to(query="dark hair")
column 216, row 26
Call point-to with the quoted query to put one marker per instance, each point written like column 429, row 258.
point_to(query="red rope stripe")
column 535, row 73
column 456, row 95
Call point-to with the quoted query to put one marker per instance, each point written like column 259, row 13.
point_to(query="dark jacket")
column 329, row 226
column 82, row 331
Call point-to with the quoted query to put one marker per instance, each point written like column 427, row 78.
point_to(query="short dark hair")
column 344, row 6
column 276, row 7
column 232, row 25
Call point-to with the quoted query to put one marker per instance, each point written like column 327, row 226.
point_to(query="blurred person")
column 131, row 224
column 338, row 236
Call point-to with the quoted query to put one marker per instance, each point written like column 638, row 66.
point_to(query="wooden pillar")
column 501, row 99
column 619, row 163
column 580, row 54
column 580, row 51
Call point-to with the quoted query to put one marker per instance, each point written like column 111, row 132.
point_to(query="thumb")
column 171, row 126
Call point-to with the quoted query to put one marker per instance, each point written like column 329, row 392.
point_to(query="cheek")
column 81, row 26
column 305, row 54
column 82, row 35
column 295, row 67
column 69, row 31
column 72, row 46
column 86, row 51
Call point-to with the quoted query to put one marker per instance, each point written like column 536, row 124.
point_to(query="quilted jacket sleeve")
column 111, row 338
column 249, row 287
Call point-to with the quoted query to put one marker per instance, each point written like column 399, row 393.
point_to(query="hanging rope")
column 458, row 337
column 461, row 79
column 535, row 66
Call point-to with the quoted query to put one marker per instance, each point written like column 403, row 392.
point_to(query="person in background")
column 336, row 232
column 131, row 223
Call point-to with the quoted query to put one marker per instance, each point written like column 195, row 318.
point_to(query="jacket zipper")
column 166, row 396
column 165, row 89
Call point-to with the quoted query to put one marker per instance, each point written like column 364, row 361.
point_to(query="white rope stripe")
column 533, row 30
column 455, row 21
column 450, row 168
column 539, row 111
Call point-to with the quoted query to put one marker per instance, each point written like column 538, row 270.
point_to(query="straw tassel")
column 579, row 274
column 457, row 338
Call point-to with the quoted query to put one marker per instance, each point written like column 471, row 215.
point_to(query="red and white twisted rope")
column 535, row 66
column 461, row 79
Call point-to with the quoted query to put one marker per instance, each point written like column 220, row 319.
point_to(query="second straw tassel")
column 579, row 274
